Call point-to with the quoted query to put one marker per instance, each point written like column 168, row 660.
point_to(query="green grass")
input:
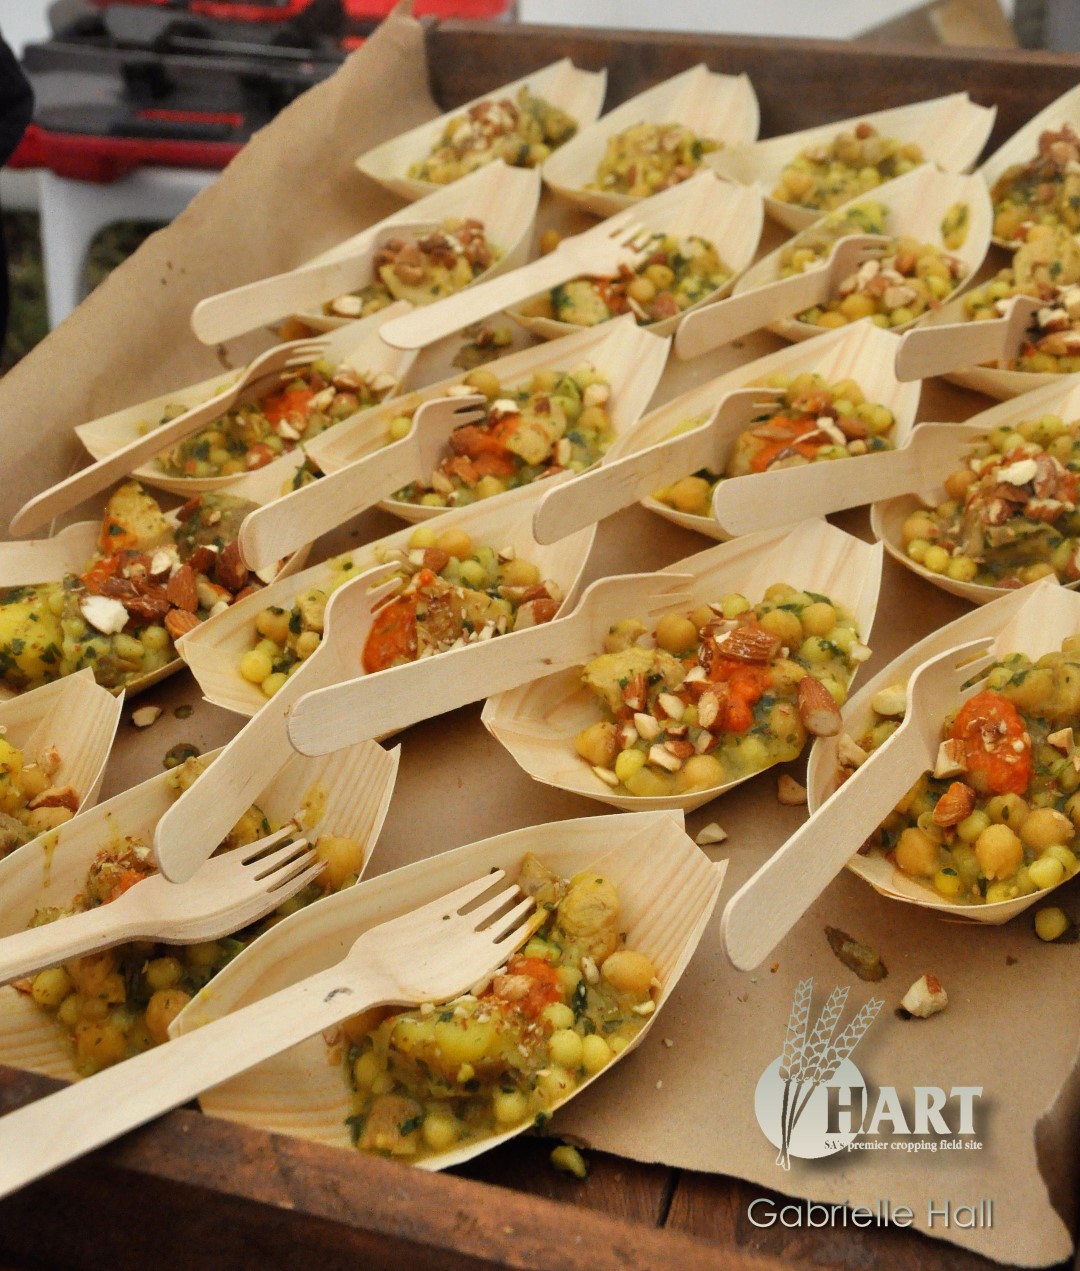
column 28, row 321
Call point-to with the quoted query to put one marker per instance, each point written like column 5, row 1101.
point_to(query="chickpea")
column 999, row 852
column 628, row 972
column 596, row 1053
column 1044, row 827
column 1007, row 809
column 785, row 625
column 440, row 1131
column 455, row 543
column 565, row 1047
column 647, row 783
column 642, row 290
column 956, row 483
column 691, row 494
column 343, row 857
column 511, row 1106
column 917, row 854
column 819, row 618
column 700, row 772
column 161, row 1010
column 676, row 633
column 484, row 381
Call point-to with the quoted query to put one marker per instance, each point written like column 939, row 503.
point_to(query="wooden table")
column 191, row 1192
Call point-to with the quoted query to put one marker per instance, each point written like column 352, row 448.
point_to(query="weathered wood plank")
column 798, row 82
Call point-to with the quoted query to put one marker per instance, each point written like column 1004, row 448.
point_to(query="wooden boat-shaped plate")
column 356, row 344
column 726, row 215
column 538, row 722
column 347, row 793
column 1060, row 397
column 631, row 360
column 214, row 649
column 505, row 199
column 1033, row 620
column 861, row 352
column 23, row 563
column 951, row 131
column 579, row 93
column 916, row 203
column 667, row 888
column 719, row 107
column 1023, row 145
column 76, row 718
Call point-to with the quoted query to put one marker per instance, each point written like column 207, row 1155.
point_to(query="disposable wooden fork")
column 936, row 350
column 773, row 900
column 384, row 701
column 228, row 893
column 720, row 323
column 258, row 303
column 260, row 749
column 761, row 500
column 430, row 955
column 599, row 252
column 81, row 485
column 278, row 528
column 609, row 487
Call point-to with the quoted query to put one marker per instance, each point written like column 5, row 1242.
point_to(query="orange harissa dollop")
column 997, row 747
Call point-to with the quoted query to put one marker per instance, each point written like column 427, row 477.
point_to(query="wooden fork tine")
column 490, row 910
column 263, row 865
column 255, row 850
column 509, row 926
column 297, row 882
column 457, row 900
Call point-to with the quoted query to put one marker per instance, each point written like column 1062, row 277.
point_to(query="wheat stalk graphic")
column 807, row 1064
column 791, row 1059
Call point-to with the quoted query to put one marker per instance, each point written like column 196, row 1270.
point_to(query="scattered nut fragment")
column 856, row 956
column 926, row 997
column 891, row 701
column 817, row 708
column 49, row 761
column 145, row 716
column 712, row 833
column 1062, row 740
column 954, row 805
column 671, row 705
column 663, row 758
column 789, row 791
column 849, row 754
column 951, row 760
column 606, row 775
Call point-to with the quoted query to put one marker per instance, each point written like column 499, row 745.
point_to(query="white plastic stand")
column 72, row 213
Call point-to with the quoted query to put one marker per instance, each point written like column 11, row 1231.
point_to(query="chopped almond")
column 817, row 708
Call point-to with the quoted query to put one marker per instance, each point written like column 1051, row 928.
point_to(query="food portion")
column 815, row 421
column 421, row 270
column 30, row 803
column 303, row 404
column 1043, row 191
column 506, row 1055
column 1011, row 515
column 718, row 693
column 557, row 421
column 825, row 175
column 997, row 817
column 673, row 274
column 455, row 592
column 150, row 583
column 647, row 158
column 1047, row 267
column 121, row 1001
column 521, row 132
column 902, row 284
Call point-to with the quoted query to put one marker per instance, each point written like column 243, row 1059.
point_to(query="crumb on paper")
column 742, row 997
column 568, row 1160
column 145, row 716
column 789, row 792
column 774, row 968
column 857, row 957
column 926, row 997
column 668, row 1042
column 659, row 1085
column 712, row 833
column 1011, row 959
column 180, row 753
column 1054, row 925
column 183, row 712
